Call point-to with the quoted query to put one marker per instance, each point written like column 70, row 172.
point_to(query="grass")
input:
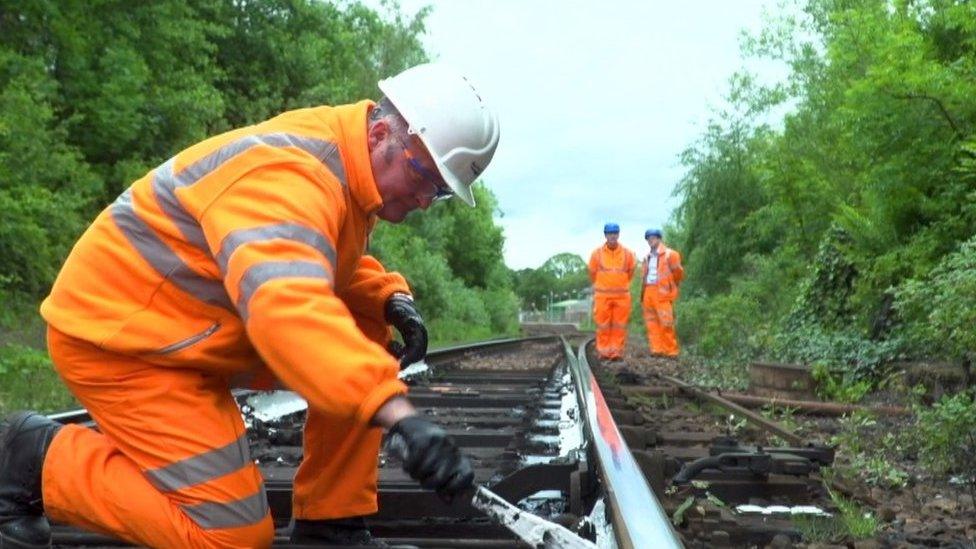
column 662, row 402
column 28, row 381
column 851, row 521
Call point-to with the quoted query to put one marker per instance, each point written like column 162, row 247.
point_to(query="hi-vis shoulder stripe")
column 286, row 231
column 165, row 181
column 257, row 275
column 163, row 259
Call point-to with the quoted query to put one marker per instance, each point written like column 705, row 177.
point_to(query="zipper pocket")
column 192, row 340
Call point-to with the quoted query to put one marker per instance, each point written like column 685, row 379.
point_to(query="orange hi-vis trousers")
column 169, row 466
column 659, row 321
column 610, row 314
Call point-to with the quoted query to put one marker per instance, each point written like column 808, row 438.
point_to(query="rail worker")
column 611, row 268
column 242, row 259
column 659, row 289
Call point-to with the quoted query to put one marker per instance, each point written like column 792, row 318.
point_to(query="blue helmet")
column 611, row 228
column 653, row 232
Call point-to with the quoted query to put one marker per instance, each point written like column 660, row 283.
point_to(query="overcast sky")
column 595, row 101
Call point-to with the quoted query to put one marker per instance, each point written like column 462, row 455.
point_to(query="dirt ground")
column 927, row 512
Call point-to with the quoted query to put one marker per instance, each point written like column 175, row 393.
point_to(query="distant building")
column 571, row 311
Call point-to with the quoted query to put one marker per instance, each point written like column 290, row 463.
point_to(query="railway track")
column 730, row 476
column 606, row 459
column 514, row 408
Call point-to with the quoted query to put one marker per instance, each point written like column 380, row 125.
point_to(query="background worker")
column 661, row 279
column 241, row 259
column 611, row 268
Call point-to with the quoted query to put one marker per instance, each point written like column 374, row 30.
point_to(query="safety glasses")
column 423, row 175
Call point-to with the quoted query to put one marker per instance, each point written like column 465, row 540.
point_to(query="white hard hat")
column 446, row 112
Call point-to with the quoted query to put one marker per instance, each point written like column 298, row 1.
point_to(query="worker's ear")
column 378, row 131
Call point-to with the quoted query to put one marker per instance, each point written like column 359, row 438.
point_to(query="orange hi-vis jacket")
column 670, row 273
column 242, row 252
column 611, row 270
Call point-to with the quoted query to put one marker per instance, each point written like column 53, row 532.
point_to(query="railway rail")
column 729, row 476
column 582, row 447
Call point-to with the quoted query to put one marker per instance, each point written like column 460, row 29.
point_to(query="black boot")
column 350, row 531
column 24, row 439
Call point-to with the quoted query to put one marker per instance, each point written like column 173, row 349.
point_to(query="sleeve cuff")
column 383, row 392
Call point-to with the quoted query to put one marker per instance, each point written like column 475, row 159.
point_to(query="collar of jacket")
column 352, row 136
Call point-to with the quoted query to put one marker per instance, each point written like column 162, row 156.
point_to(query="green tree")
column 868, row 182
column 563, row 274
column 44, row 184
column 938, row 309
column 452, row 257
column 94, row 94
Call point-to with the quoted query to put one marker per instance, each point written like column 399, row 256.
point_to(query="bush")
column 28, row 381
column 858, row 357
column 946, row 436
column 723, row 327
column 938, row 311
column 458, row 303
column 838, row 387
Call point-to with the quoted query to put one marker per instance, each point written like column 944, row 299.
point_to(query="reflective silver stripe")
column 166, row 263
column 201, row 468
column 165, row 182
column 231, row 514
column 288, row 231
column 164, row 187
column 325, row 151
column 258, row 274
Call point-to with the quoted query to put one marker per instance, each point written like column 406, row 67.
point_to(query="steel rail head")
column 637, row 517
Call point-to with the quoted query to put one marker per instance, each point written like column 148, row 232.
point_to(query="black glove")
column 403, row 315
column 430, row 456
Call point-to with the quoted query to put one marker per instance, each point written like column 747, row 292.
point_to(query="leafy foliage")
column 825, row 240
column 946, row 435
column 939, row 307
column 452, row 257
column 93, row 94
column 836, row 388
column 27, row 380
column 562, row 276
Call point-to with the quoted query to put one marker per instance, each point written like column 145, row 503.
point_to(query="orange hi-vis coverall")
column 238, row 262
column 610, row 272
column 658, row 298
